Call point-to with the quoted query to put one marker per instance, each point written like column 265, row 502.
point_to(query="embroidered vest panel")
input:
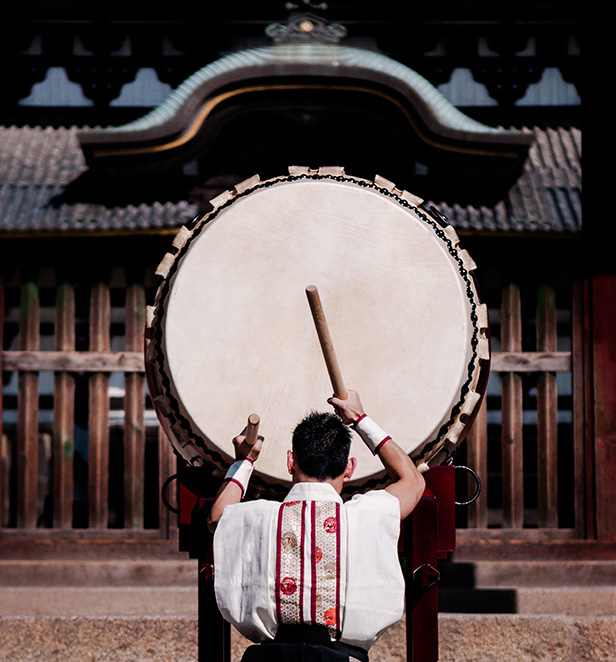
column 309, row 576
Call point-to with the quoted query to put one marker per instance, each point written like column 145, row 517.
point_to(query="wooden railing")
column 23, row 458
column 510, row 364
column 23, row 466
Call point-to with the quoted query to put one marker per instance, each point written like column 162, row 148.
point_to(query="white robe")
column 372, row 584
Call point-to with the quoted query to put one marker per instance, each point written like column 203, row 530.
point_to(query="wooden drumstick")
column 252, row 429
column 325, row 340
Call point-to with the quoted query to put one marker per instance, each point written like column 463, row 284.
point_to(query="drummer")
column 314, row 578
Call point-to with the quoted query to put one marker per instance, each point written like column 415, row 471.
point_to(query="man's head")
column 321, row 444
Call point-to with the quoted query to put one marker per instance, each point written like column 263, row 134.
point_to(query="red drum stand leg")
column 214, row 633
column 428, row 534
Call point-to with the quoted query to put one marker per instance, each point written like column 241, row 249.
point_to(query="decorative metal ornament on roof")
column 306, row 26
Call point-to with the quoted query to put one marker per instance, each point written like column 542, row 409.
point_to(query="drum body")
column 231, row 333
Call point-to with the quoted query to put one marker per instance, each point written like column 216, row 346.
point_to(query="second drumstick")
column 327, row 346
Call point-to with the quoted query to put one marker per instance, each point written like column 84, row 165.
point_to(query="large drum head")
column 231, row 331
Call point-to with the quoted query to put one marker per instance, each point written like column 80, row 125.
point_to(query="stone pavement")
column 74, row 610
column 463, row 638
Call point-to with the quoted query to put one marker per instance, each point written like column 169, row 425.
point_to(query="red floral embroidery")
column 330, row 616
column 330, row 525
column 288, row 586
column 318, row 554
column 291, row 503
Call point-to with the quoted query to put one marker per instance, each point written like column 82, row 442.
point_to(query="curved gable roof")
column 173, row 124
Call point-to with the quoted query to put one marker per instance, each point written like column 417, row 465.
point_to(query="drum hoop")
column 203, row 220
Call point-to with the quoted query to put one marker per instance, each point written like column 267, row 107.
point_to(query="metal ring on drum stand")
column 163, row 494
column 477, row 492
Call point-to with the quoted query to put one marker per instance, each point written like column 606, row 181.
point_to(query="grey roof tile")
column 37, row 165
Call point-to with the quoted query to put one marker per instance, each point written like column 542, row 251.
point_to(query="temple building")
column 119, row 125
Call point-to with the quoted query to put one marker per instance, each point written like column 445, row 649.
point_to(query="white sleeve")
column 375, row 583
column 244, row 568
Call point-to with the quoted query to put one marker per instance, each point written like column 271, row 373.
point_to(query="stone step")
column 528, row 574
column 94, row 601
column 591, row 601
column 108, row 573
column 183, row 572
column 462, row 638
column 164, row 587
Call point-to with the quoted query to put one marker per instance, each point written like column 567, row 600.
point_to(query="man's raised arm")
column 235, row 483
column 409, row 484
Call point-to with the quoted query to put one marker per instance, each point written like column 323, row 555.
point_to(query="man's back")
column 311, row 559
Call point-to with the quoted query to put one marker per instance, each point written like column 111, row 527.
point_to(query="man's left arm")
column 235, row 483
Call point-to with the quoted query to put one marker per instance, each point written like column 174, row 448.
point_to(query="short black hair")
column 321, row 443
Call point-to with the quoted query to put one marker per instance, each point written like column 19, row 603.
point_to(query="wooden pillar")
column 4, row 450
column 599, row 134
column 604, row 390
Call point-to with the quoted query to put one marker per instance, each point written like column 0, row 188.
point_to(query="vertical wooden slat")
column 477, row 455
column 45, row 446
column 583, row 522
column 163, row 474
column 173, row 531
column 167, row 466
column 64, row 411
column 511, row 439
column 28, row 410
column 98, row 411
column 134, row 408
column 4, row 480
column 547, row 413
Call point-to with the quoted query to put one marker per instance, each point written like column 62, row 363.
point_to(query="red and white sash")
column 309, row 576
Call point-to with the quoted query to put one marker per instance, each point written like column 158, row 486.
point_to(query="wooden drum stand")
column 427, row 535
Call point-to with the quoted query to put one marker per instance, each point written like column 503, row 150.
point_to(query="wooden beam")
column 539, row 361
column 71, row 361
column 518, row 534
